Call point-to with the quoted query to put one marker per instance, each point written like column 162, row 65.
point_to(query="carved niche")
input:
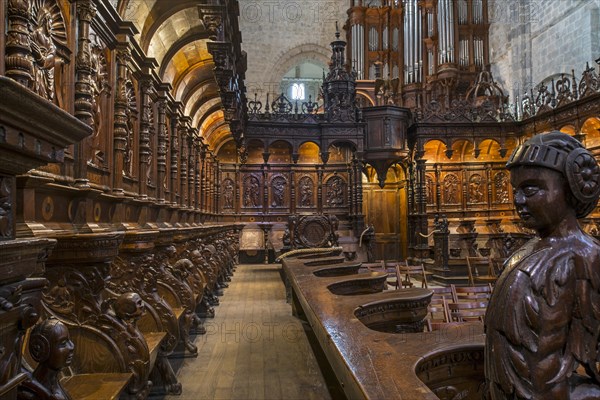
column 278, row 191
column 306, row 192
column 251, row 193
column 476, row 189
column 501, row 188
column 336, row 191
column 451, row 189
column 49, row 49
column 228, row 194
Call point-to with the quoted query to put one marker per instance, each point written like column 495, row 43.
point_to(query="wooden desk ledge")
column 153, row 340
column 105, row 386
column 371, row 363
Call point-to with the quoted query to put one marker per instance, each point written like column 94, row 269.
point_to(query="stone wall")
column 280, row 34
column 531, row 40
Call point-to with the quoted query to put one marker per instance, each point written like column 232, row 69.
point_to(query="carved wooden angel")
column 543, row 320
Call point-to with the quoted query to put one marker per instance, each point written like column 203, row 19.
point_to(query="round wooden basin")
column 405, row 312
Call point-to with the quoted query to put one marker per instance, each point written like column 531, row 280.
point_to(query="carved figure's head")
column 557, row 151
column 51, row 345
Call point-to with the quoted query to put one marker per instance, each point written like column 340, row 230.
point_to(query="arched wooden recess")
column 387, row 209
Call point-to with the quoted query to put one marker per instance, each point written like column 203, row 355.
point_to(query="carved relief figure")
column 228, row 193
column 475, row 189
column 99, row 86
column 552, row 282
column 51, row 347
column 429, row 190
column 278, row 191
column 451, row 189
column 251, row 192
column 335, row 191
column 501, row 186
column 43, row 51
column 306, row 192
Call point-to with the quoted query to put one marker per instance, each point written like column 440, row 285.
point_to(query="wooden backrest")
column 407, row 270
column 374, row 266
column 467, row 293
column 466, row 311
column 437, row 314
column 479, row 266
column 443, row 292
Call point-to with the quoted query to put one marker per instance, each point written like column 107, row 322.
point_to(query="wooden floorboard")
column 254, row 348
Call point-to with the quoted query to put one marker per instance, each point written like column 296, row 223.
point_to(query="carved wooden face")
column 61, row 348
column 540, row 198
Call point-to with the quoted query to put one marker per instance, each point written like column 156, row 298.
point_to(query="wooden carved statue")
column 543, row 320
column 51, row 347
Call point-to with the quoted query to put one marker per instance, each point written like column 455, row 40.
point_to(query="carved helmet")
column 563, row 153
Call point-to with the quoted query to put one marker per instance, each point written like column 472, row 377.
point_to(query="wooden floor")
column 254, row 348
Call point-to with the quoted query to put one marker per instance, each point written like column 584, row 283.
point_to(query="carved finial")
column 337, row 30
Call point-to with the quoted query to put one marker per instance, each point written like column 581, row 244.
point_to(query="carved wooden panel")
column 306, row 192
column 429, row 190
column 336, row 193
column 279, row 191
column 251, row 197
column 228, row 194
column 500, row 188
column 476, row 189
column 451, row 189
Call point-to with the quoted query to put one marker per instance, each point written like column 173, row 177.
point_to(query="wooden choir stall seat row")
column 130, row 302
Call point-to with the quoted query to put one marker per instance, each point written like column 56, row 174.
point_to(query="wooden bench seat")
column 100, row 386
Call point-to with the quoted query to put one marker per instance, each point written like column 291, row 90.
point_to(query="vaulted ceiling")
column 172, row 32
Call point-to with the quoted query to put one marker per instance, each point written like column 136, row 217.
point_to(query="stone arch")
column 306, row 52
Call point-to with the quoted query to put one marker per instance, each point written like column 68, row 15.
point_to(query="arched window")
column 298, row 92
